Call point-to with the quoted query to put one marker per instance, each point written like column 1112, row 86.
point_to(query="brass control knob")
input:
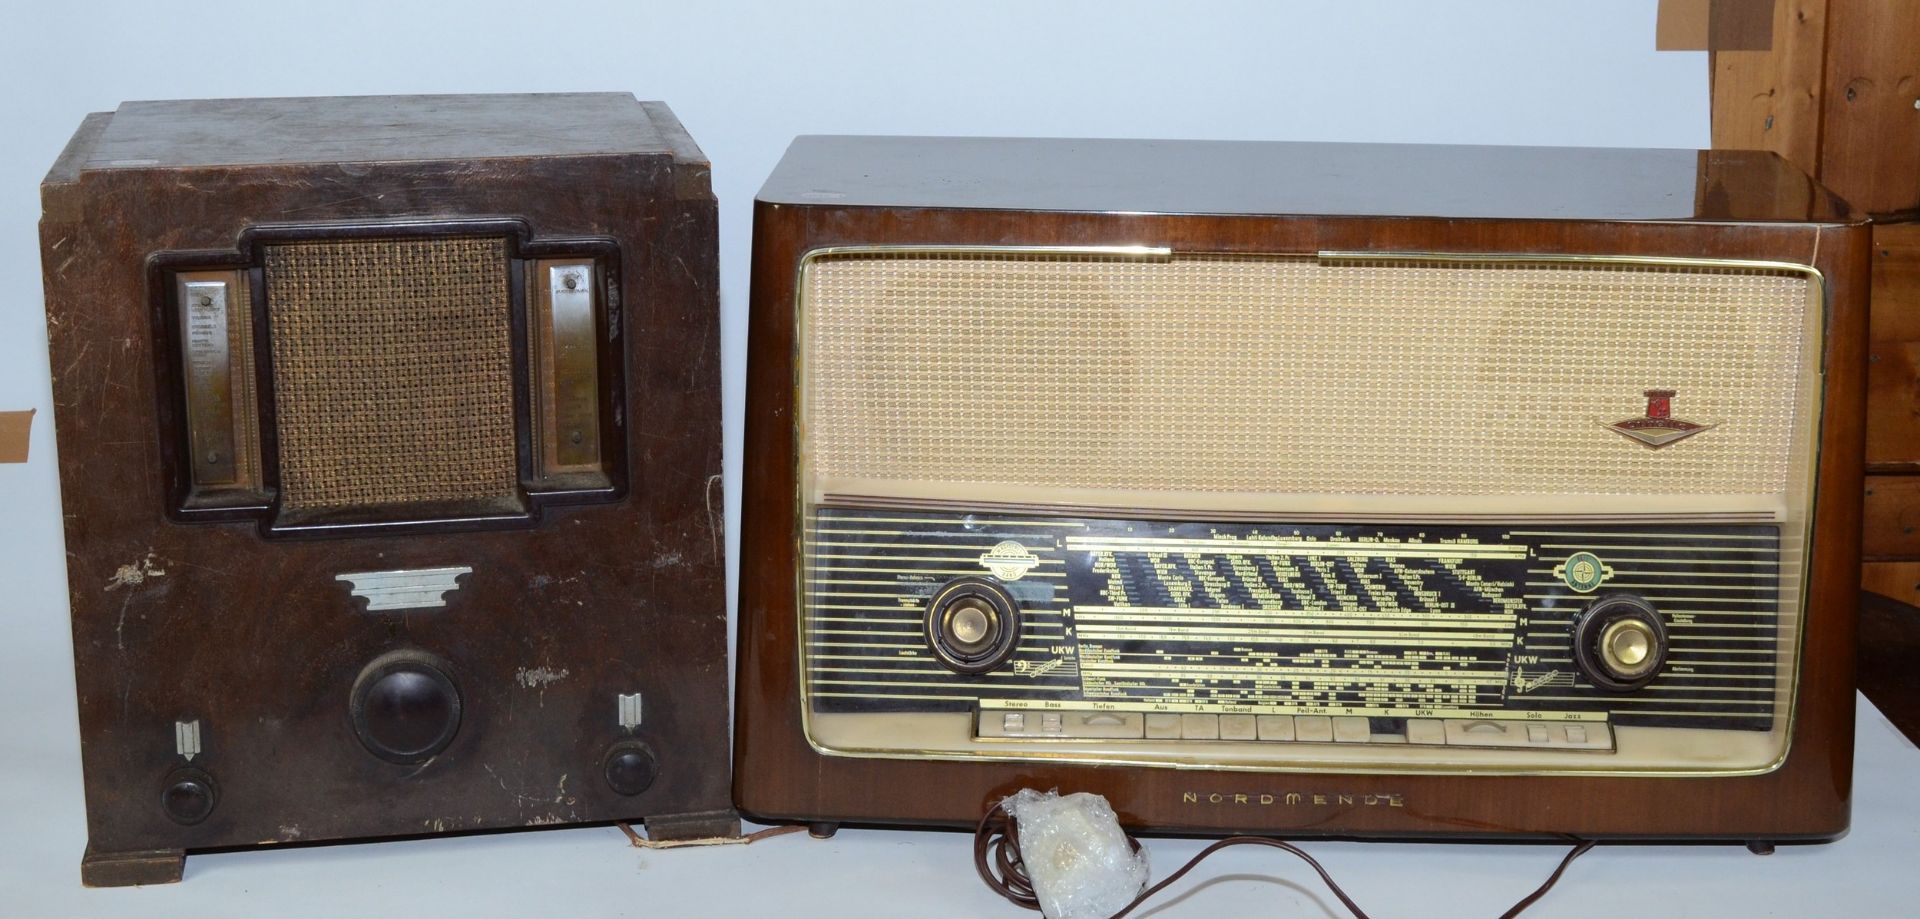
column 973, row 624
column 1620, row 642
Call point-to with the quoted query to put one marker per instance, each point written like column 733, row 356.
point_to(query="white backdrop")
column 745, row 77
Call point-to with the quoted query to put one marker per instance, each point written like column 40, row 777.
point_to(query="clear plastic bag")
column 1076, row 855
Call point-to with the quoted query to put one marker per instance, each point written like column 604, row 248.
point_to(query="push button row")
column 1308, row 728
column 1076, row 725
column 1461, row 732
column 1062, row 725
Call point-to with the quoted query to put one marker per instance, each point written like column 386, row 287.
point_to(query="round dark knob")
column 1620, row 642
column 630, row 767
column 973, row 624
column 188, row 796
column 405, row 707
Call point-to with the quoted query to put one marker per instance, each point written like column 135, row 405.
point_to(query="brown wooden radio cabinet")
column 1303, row 489
column 389, row 436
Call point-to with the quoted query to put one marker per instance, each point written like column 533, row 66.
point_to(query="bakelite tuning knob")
column 188, row 796
column 405, row 707
column 630, row 767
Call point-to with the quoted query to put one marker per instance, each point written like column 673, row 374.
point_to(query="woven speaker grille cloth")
column 1284, row 374
column 392, row 371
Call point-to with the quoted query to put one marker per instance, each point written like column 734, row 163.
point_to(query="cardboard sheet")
column 1714, row 25
column 15, row 429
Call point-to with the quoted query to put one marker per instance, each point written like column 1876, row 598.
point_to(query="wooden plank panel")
column 1893, row 371
column 1893, row 407
column 1896, row 282
column 1898, row 580
column 1890, row 521
column 1870, row 131
column 1770, row 100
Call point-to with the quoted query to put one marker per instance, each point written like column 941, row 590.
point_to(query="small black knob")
column 972, row 624
column 630, row 767
column 405, row 708
column 1620, row 642
column 188, row 796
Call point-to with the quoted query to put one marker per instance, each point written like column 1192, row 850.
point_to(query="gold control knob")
column 972, row 624
column 1620, row 642
column 1627, row 646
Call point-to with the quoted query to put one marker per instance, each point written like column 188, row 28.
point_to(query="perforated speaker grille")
column 1297, row 375
column 392, row 371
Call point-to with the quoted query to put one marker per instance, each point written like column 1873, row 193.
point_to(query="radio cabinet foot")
column 822, row 830
column 696, row 825
column 1759, row 847
column 128, row 869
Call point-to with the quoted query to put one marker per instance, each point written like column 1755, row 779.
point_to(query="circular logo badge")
column 1009, row 560
column 1583, row 571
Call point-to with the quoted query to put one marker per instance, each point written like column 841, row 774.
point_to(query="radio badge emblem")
column 1584, row 572
column 1008, row 560
column 1658, row 427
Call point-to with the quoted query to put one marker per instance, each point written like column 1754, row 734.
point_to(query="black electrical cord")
column 996, row 855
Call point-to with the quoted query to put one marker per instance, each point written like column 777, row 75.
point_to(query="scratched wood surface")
column 255, row 638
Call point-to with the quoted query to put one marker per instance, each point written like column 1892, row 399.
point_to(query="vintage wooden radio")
column 389, row 436
column 1302, row 489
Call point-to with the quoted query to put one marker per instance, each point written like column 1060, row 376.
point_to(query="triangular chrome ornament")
column 1657, row 428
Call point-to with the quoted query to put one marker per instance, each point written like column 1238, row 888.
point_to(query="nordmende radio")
column 1303, row 489
column 390, row 450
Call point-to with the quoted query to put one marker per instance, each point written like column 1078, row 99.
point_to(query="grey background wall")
column 747, row 76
